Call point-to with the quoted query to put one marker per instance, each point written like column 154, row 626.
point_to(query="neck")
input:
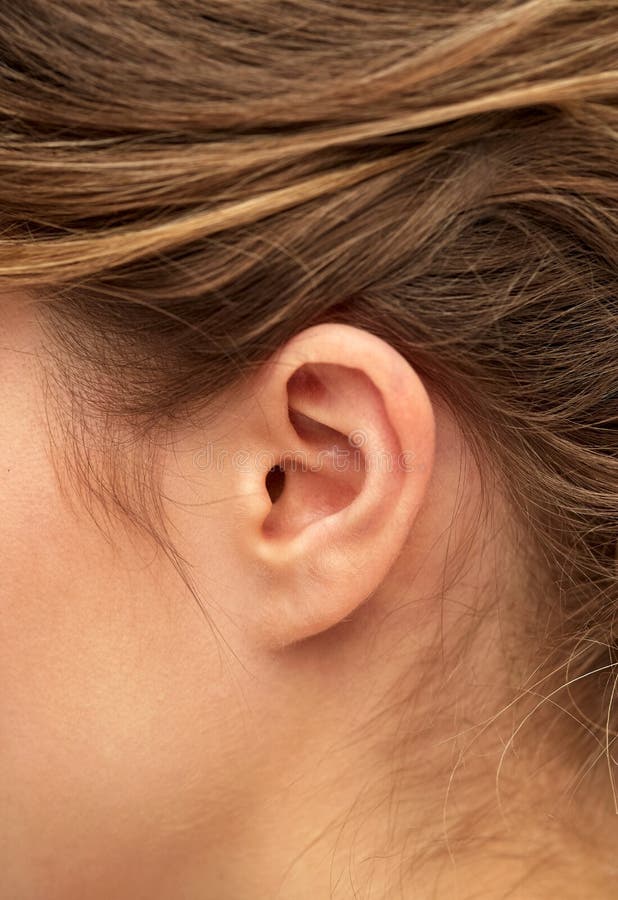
column 349, row 816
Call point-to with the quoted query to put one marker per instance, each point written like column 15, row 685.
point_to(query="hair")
column 184, row 186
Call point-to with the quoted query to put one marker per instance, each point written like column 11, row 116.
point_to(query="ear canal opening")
column 322, row 469
column 275, row 483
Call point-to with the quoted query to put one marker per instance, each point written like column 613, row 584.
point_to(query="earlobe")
column 353, row 431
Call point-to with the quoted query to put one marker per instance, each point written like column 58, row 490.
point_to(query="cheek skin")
column 113, row 716
column 121, row 741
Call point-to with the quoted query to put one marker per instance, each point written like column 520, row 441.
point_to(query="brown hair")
column 186, row 185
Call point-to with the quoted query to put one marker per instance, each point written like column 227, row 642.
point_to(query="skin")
column 314, row 729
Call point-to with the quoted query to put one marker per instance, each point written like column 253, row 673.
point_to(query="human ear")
column 343, row 434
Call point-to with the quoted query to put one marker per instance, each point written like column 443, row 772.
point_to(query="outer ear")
column 350, row 427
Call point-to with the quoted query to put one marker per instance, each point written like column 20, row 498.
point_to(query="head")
column 309, row 537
